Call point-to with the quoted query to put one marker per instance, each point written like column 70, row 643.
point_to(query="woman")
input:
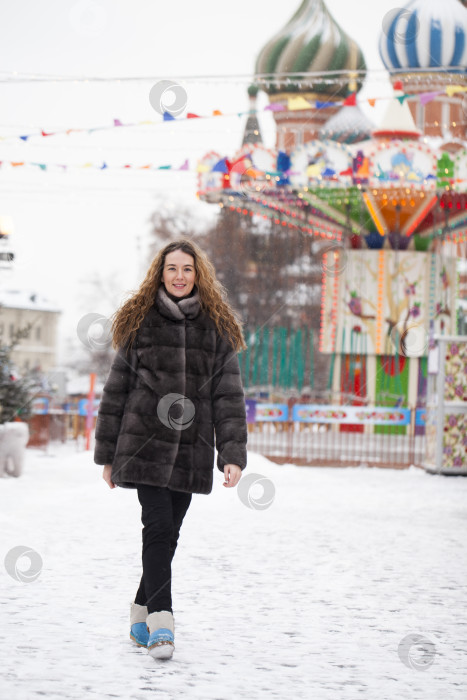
column 174, row 384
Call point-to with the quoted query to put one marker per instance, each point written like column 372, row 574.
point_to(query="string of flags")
column 104, row 166
column 294, row 103
column 279, row 176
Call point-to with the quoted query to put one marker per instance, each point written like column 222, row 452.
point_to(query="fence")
column 326, row 445
column 315, row 435
column 311, row 434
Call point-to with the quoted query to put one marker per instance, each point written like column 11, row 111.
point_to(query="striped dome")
column 310, row 41
column 425, row 34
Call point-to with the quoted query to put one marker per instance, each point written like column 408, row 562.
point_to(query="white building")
column 39, row 349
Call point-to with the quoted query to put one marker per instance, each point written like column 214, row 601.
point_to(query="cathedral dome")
column 425, row 34
column 349, row 125
column 311, row 41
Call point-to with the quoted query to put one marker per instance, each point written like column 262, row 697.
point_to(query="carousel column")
column 338, row 345
column 412, row 389
column 371, row 386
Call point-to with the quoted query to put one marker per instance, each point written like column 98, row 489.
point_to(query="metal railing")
column 326, row 445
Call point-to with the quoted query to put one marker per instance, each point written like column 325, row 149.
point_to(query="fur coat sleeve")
column 228, row 408
column 112, row 405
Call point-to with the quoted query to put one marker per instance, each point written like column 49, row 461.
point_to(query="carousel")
column 387, row 203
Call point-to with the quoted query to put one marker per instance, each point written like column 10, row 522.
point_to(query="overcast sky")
column 69, row 225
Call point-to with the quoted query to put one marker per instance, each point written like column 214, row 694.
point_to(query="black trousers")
column 162, row 515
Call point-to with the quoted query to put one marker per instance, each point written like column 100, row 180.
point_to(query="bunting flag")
column 220, row 166
column 325, row 105
column 426, row 97
column 351, row 100
column 275, row 107
column 296, row 103
column 402, row 98
column 452, row 89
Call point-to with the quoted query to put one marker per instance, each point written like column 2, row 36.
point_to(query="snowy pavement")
column 310, row 597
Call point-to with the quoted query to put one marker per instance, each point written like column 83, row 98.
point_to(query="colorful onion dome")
column 349, row 125
column 311, row 41
column 425, row 34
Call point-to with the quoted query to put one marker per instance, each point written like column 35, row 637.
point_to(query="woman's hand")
column 232, row 474
column 106, row 475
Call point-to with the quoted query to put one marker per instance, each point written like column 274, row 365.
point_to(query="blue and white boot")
column 139, row 631
column 161, row 634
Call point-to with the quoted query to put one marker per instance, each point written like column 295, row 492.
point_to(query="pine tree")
column 15, row 392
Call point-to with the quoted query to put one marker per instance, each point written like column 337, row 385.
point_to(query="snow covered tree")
column 15, row 391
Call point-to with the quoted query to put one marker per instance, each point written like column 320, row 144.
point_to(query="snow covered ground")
column 310, row 597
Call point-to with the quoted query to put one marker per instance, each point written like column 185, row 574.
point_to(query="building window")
column 38, row 332
column 12, row 330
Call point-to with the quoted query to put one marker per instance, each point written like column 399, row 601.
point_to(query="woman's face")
column 179, row 274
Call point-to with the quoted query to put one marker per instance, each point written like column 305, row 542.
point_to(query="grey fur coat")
column 167, row 396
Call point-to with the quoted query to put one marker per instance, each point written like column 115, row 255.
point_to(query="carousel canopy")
column 397, row 121
column 425, row 34
column 311, row 41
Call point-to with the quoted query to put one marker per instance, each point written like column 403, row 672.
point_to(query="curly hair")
column 212, row 296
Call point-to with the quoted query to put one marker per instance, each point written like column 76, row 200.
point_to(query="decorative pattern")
column 455, row 440
column 397, row 163
column 209, row 181
column 253, row 168
column 325, row 162
column 455, row 387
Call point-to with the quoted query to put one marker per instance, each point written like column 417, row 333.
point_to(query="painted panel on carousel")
column 209, row 180
column 403, row 310
column 455, row 439
column 443, row 274
column 253, row 169
column 403, row 163
column 321, row 162
column 460, row 171
column 455, row 388
column 383, row 301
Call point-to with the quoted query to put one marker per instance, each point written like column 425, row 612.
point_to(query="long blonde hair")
column 212, row 296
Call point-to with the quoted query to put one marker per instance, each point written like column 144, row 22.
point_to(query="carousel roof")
column 349, row 125
column 311, row 41
column 397, row 121
column 425, row 34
